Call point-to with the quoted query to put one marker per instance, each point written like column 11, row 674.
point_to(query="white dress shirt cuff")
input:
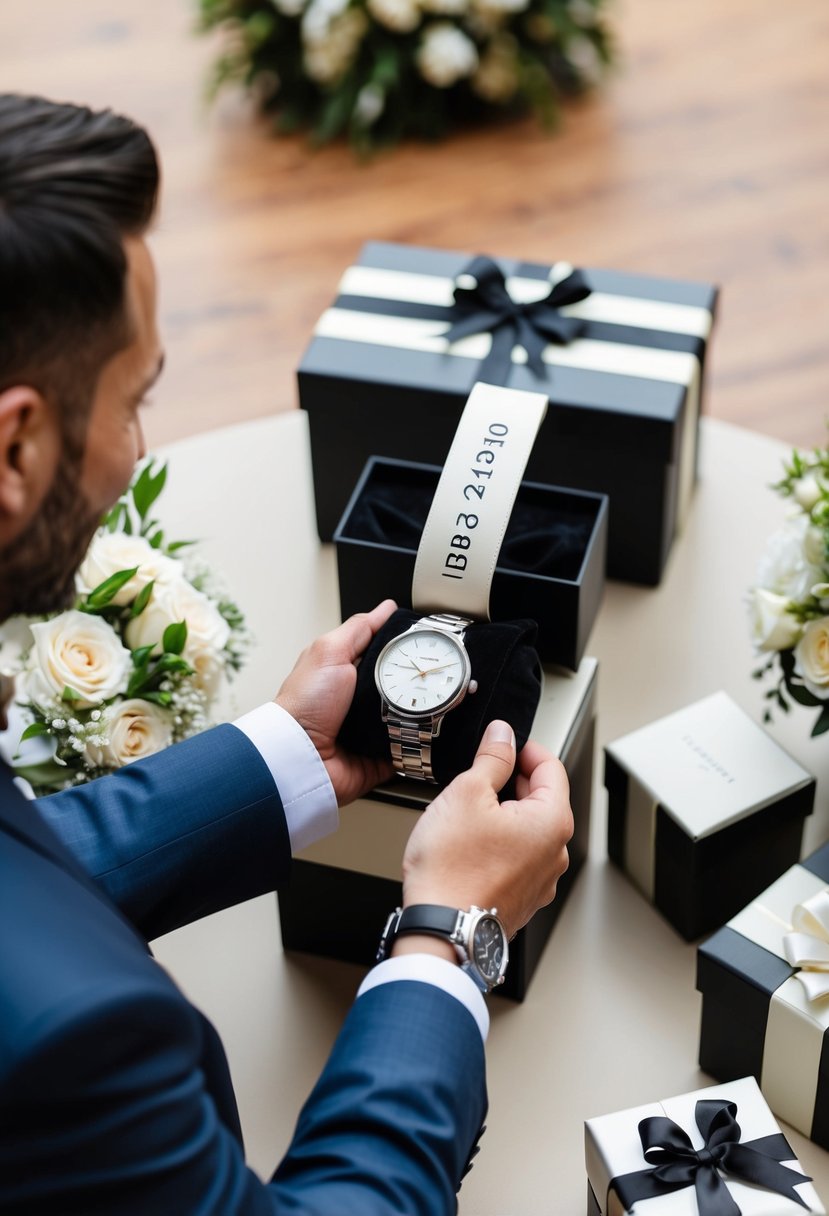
column 307, row 794
column 429, row 969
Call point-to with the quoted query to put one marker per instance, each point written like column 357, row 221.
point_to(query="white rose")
column 111, row 552
column 445, row 55
column 207, row 630
column 814, row 547
column 812, row 657
column 807, row 491
column 772, row 626
column 785, row 567
column 82, row 652
column 133, row 729
column 451, row 8
column 328, row 54
column 399, row 15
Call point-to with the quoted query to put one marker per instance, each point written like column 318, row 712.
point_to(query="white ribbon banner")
column 470, row 511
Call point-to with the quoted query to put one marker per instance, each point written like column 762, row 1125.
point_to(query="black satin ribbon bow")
column 488, row 306
column 677, row 1164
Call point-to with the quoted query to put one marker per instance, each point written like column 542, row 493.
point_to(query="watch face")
column 422, row 671
column 488, row 948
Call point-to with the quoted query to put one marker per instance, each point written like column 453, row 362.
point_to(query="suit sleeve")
column 186, row 832
column 387, row 1129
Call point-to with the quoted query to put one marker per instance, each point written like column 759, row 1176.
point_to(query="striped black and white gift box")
column 379, row 378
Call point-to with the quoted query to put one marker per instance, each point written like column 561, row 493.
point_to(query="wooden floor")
column 706, row 157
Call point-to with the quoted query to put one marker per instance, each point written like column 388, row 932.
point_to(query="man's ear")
column 29, row 452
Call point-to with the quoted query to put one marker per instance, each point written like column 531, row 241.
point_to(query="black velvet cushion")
column 504, row 663
column 541, row 538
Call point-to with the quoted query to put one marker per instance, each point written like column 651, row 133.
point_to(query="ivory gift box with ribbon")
column 715, row 1152
column 704, row 811
column 620, row 356
column 764, row 979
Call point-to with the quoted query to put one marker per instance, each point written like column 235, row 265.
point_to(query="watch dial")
column 488, row 948
column 419, row 672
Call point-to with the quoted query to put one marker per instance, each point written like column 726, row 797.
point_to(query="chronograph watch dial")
column 421, row 675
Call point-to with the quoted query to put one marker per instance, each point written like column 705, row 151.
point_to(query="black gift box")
column 551, row 566
column 342, row 889
column 624, row 395
column 704, row 811
column 742, row 981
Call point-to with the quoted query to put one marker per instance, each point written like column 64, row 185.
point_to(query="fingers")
column 495, row 758
column 353, row 636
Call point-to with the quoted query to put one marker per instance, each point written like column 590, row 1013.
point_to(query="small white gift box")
column 703, row 1149
column 704, row 811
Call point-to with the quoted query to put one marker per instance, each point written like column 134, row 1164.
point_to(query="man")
column 115, row 1094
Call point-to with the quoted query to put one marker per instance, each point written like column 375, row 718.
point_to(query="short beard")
column 37, row 570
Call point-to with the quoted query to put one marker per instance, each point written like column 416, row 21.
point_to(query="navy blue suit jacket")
column 115, row 1094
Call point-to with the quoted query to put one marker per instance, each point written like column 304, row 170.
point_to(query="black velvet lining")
column 504, row 663
column 548, row 538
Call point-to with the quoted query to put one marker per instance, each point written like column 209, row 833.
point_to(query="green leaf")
column 140, row 603
column 180, row 544
column 69, row 694
column 174, row 638
column 34, row 728
column 156, row 539
column 171, row 663
column 140, row 656
column 106, row 591
column 802, row 695
column 148, row 487
column 158, row 698
column 822, row 725
column 50, row 773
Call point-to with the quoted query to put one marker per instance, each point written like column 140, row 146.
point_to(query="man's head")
column 78, row 340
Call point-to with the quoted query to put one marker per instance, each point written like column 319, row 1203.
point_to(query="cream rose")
column 207, row 630
column 133, row 729
column 807, row 490
column 772, row 626
column 812, row 657
column 785, row 567
column 111, row 552
column 82, row 652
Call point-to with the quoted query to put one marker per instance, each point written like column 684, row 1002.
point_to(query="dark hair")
column 73, row 184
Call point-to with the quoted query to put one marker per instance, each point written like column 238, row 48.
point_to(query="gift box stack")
column 525, row 618
column 621, row 357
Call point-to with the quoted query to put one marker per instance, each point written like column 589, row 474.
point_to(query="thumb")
column 495, row 758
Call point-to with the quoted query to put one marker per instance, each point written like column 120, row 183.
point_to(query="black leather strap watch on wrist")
column 478, row 936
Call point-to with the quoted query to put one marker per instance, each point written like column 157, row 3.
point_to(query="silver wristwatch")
column 478, row 936
column 421, row 675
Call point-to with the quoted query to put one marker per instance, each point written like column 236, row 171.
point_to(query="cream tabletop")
column 612, row 1016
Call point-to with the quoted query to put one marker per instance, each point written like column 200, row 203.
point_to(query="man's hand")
column 468, row 848
column 319, row 692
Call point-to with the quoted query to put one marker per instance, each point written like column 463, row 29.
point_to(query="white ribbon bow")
column 808, row 946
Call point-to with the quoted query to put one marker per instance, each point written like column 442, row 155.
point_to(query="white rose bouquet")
column 136, row 663
column 378, row 71
column 789, row 606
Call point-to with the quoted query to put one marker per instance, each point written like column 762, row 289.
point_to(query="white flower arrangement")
column 789, row 605
column 383, row 70
column 135, row 665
